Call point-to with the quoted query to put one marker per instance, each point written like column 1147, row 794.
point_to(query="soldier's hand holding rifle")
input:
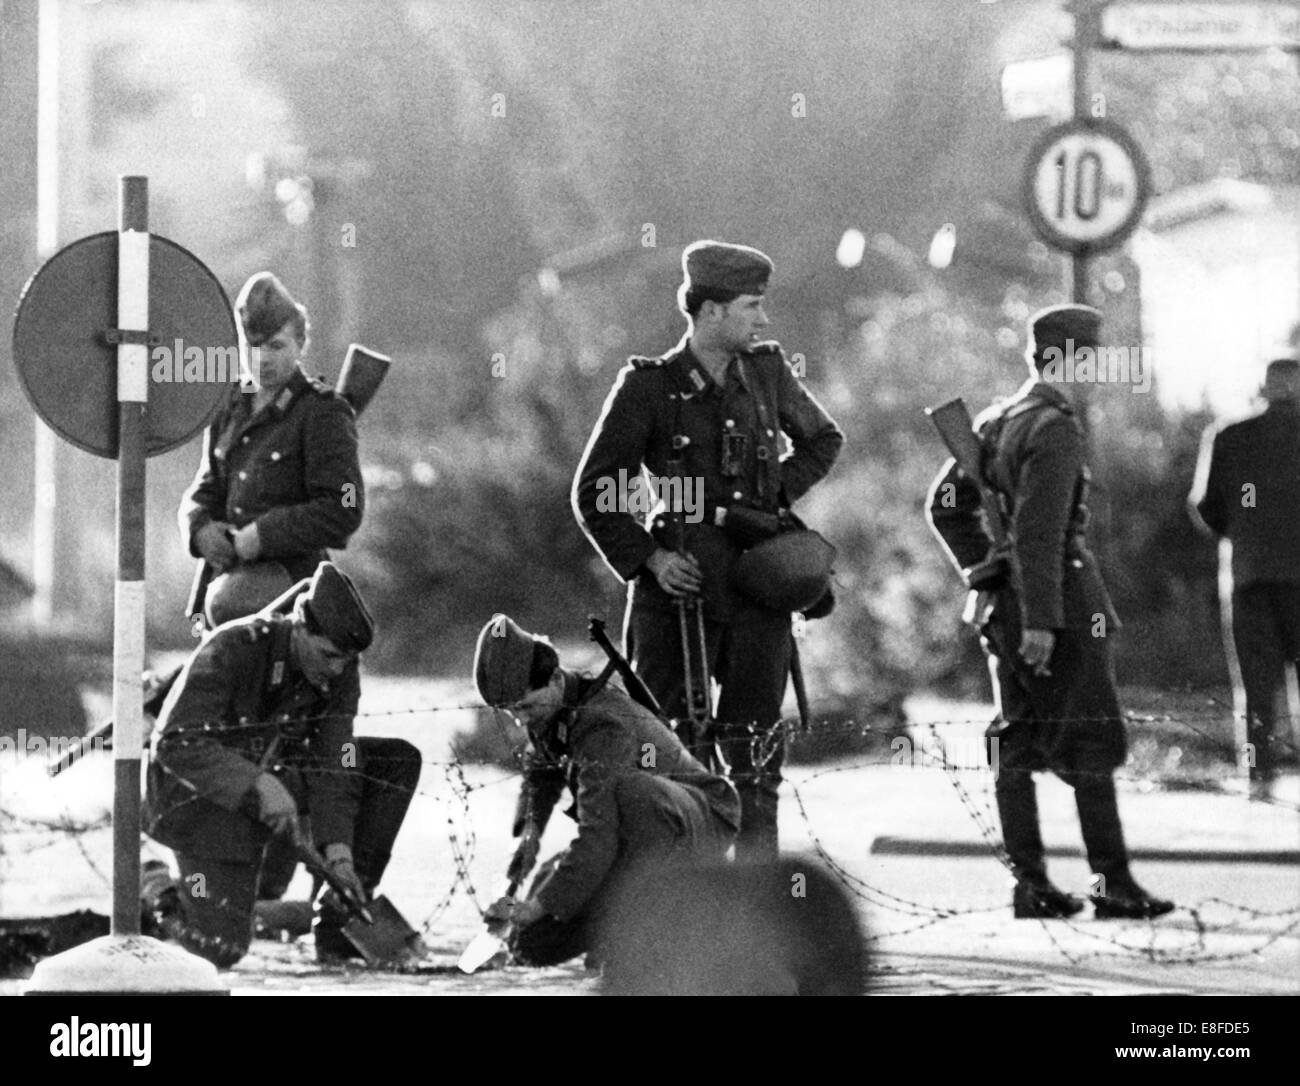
column 215, row 541
column 677, row 574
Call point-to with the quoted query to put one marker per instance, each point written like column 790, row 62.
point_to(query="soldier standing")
column 1248, row 489
column 279, row 481
column 705, row 421
column 257, row 730
column 1045, row 616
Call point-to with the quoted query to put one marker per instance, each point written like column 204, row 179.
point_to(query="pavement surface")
column 915, row 846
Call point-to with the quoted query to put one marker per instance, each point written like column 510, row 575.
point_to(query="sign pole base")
column 125, row 965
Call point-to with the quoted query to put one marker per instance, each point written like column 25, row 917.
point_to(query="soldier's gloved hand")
column 677, row 574
column 338, row 858
column 213, row 542
column 276, row 806
column 509, row 910
column 248, row 545
column 1036, row 649
column 526, row 854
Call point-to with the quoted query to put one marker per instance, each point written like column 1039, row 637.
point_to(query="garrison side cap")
column 503, row 660
column 336, row 609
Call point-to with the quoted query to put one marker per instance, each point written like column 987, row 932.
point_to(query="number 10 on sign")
column 1086, row 185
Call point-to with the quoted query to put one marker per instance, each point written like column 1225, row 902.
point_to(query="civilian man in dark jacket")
column 706, row 420
column 640, row 798
column 257, row 730
column 1046, row 619
column 1247, row 489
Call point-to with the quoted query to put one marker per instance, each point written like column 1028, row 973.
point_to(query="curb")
column 920, row 846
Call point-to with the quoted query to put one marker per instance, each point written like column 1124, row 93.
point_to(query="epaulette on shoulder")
column 320, row 386
column 256, row 627
column 640, row 362
column 764, row 347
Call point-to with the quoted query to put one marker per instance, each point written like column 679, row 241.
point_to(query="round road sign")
column 67, row 362
column 1086, row 185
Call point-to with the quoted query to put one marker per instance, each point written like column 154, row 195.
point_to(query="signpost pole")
column 129, row 602
column 1087, row 31
column 57, row 302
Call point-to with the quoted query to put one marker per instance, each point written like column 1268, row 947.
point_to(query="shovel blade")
column 390, row 940
column 485, row 946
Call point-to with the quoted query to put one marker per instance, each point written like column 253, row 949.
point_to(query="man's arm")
column 618, row 442
column 815, row 439
column 334, row 778
column 1045, row 489
column 204, row 500
column 1205, row 503
column 203, row 693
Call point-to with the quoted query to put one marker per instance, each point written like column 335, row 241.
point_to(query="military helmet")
column 244, row 590
column 791, row 571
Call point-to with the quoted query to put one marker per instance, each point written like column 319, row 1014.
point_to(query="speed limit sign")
column 1086, row 185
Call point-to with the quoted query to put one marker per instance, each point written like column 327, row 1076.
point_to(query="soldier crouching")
column 641, row 799
column 256, row 732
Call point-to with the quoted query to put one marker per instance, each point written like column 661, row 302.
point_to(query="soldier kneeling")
column 641, row 800
column 256, row 731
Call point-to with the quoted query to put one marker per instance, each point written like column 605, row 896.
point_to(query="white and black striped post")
column 129, row 593
column 125, row 961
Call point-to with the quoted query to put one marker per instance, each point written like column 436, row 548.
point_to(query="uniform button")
column 243, row 475
column 275, row 456
column 731, row 422
column 738, row 495
column 1077, row 563
column 243, row 441
column 770, row 434
column 239, row 510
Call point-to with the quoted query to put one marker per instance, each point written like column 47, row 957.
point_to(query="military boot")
column 1124, row 899
column 1035, row 898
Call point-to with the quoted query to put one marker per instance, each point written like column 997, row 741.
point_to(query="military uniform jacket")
column 724, row 439
column 605, row 739
column 1033, row 459
column 237, row 695
column 1248, row 489
column 291, row 467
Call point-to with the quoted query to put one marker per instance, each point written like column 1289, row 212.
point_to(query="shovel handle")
column 315, row 863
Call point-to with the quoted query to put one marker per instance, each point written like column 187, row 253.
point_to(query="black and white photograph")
column 682, row 498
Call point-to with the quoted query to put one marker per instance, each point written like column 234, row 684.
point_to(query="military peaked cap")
column 1053, row 326
column 335, row 608
column 715, row 266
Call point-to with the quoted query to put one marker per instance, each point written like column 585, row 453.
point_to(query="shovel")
column 489, row 942
column 376, row 929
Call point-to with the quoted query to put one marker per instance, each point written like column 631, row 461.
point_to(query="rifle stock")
column 954, row 424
